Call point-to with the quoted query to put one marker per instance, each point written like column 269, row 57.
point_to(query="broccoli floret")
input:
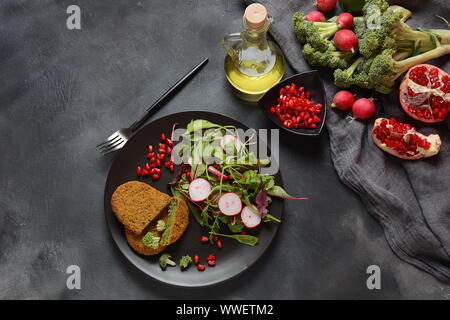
column 384, row 69
column 394, row 33
column 330, row 58
column 381, row 5
column 151, row 241
column 185, row 261
column 165, row 261
column 344, row 78
column 161, row 225
column 314, row 33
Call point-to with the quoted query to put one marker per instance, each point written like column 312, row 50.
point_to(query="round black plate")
column 232, row 259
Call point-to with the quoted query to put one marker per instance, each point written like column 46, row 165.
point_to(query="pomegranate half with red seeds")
column 425, row 93
column 403, row 141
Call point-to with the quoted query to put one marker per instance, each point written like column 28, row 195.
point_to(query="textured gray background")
column 62, row 91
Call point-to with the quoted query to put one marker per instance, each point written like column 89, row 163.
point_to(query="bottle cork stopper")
column 255, row 15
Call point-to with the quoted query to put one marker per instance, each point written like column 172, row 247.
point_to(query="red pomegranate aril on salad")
column 403, row 141
column 424, row 93
column 204, row 239
column 219, row 244
column 212, row 256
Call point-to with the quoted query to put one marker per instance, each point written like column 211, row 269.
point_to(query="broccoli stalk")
column 165, row 261
column 314, row 33
column 384, row 69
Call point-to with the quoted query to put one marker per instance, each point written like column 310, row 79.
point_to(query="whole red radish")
column 346, row 40
column 363, row 108
column 345, row 20
column 343, row 100
column 315, row 16
column 325, row 5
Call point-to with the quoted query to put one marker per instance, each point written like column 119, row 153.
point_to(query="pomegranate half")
column 403, row 141
column 425, row 93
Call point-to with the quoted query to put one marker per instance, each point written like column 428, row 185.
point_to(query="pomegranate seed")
column 216, row 238
column 161, row 150
column 167, row 164
column 161, row 156
column 145, row 172
column 211, row 257
column 211, row 263
column 162, row 146
column 200, row 267
column 147, row 166
column 196, row 259
column 219, row 244
column 169, row 142
column 155, row 176
column 163, row 137
column 150, row 148
column 138, row 171
column 158, row 163
column 172, row 168
column 204, row 239
column 169, row 150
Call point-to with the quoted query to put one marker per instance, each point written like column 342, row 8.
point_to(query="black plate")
column 311, row 81
column 232, row 259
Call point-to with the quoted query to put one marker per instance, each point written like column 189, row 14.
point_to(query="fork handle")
column 168, row 93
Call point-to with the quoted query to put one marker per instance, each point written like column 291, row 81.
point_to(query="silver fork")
column 118, row 139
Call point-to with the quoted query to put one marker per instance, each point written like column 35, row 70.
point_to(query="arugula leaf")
column 237, row 227
column 242, row 238
column 278, row 191
column 268, row 217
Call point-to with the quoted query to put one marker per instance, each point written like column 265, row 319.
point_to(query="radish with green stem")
column 230, row 144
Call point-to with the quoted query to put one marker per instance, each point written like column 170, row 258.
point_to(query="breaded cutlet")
column 136, row 204
column 176, row 218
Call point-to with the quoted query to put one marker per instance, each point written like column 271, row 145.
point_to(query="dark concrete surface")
column 63, row 91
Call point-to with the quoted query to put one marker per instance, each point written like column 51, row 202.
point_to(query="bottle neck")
column 256, row 37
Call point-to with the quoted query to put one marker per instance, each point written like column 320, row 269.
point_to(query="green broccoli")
column 384, row 69
column 164, row 261
column 185, row 261
column 394, row 33
column 161, row 225
column 150, row 240
column 332, row 57
column 381, row 5
column 344, row 78
column 314, row 33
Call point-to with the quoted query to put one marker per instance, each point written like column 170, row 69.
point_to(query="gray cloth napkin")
column 410, row 199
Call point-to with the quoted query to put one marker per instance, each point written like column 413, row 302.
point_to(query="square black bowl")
column 311, row 81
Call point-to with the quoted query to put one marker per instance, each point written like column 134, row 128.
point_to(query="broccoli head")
column 151, row 241
column 164, row 261
column 344, row 78
column 314, row 33
column 331, row 58
column 384, row 69
column 185, row 261
column 161, row 225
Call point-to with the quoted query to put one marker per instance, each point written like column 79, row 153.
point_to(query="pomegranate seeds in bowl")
column 297, row 104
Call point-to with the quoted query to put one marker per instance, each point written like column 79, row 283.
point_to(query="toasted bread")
column 136, row 204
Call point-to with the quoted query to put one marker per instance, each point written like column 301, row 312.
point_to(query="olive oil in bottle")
column 253, row 63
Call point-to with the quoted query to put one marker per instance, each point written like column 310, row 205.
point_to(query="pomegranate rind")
column 403, row 90
column 433, row 139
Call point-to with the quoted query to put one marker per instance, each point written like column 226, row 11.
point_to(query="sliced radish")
column 230, row 204
column 218, row 173
column 199, row 189
column 229, row 143
column 249, row 218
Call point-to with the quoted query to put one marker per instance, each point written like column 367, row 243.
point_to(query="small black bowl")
column 311, row 81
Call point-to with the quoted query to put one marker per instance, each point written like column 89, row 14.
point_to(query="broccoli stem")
column 403, row 65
